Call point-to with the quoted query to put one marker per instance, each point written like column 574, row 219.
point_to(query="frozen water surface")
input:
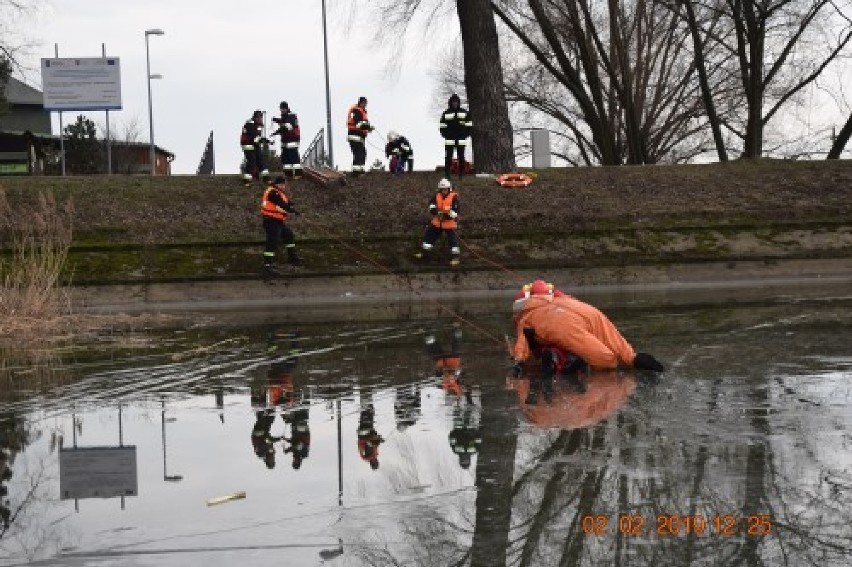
column 394, row 437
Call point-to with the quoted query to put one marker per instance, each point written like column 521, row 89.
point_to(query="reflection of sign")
column 97, row 472
column 86, row 83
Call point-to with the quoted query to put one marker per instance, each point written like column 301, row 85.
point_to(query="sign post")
column 80, row 83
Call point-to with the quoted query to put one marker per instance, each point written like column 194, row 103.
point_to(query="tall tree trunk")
column 841, row 140
column 706, row 94
column 483, row 77
column 755, row 32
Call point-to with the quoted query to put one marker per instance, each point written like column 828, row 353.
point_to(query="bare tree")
column 617, row 77
column 780, row 47
column 483, row 72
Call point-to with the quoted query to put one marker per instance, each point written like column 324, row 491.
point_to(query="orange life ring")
column 514, row 180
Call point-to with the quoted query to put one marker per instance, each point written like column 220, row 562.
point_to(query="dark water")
column 358, row 441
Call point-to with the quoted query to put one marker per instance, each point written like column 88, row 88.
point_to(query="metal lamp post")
column 327, row 90
column 150, row 108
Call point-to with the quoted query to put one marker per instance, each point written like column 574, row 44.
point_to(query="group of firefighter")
column 556, row 328
column 455, row 126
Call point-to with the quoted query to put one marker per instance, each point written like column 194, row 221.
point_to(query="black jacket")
column 456, row 122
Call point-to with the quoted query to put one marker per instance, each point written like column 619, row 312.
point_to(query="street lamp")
column 327, row 91
column 166, row 476
column 150, row 108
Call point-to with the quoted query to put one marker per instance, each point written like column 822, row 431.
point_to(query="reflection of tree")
column 494, row 472
column 14, row 437
column 736, row 446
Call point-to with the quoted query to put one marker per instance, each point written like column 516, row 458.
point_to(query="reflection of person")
column 465, row 437
column 300, row 434
column 368, row 438
column 262, row 439
column 278, row 388
column 605, row 392
column 288, row 129
column 444, row 210
column 572, row 326
column 406, row 406
column 448, row 362
column 252, row 141
column 274, row 208
column 455, row 126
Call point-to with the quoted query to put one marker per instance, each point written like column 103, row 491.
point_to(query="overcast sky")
column 221, row 59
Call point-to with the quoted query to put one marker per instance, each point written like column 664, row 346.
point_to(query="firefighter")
column 288, row 129
column 444, row 208
column 398, row 149
column 357, row 127
column 252, row 142
column 274, row 209
column 456, row 124
column 555, row 319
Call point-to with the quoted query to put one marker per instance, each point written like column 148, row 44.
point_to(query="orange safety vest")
column 352, row 125
column 444, row 205
column 270, row 209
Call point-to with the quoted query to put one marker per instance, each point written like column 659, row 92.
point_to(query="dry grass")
column 33, row 302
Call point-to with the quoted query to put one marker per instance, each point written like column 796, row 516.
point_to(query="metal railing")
column 315, row 155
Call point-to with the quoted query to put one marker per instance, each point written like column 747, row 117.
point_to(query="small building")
column 25, row 109
column 26, row 141
column 135, row 157
column 28, row 146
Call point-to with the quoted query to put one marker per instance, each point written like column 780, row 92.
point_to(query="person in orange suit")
column 572, row 326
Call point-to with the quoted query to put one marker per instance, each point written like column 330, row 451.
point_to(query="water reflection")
column 581, row 400
column 738, row 455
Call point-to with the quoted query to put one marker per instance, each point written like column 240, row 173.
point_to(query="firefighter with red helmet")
column 252, row 142
column 357, row 127
column 444, row 208
column 288, row 129
column 274, row 208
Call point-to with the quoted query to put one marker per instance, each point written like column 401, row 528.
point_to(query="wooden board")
column 324, row 176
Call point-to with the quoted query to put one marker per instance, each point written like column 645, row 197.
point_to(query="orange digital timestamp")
column 674, row 525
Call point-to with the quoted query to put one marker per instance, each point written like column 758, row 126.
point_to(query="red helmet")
column 541, row 287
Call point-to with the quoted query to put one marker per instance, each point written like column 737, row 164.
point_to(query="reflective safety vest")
column 444, row 205
column 356, row 123
column 270, row 209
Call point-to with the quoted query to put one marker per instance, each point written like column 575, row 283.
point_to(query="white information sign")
column 81, row 83
column 97, row 472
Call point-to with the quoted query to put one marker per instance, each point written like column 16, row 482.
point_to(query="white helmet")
column 445, row 184
column 392, row 136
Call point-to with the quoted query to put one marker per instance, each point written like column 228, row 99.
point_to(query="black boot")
column 270, row 270
column 644, row 361
column 532, row 395
column 293, row 258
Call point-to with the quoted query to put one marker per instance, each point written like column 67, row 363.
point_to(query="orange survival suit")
column 569, row 324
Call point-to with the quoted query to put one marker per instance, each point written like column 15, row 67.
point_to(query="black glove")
column 645, row 361
column 518, row 369
column 529, row 334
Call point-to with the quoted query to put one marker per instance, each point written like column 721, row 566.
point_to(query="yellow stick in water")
column 222, row 499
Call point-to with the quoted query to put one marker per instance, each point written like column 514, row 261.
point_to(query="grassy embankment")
column 187, row 228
